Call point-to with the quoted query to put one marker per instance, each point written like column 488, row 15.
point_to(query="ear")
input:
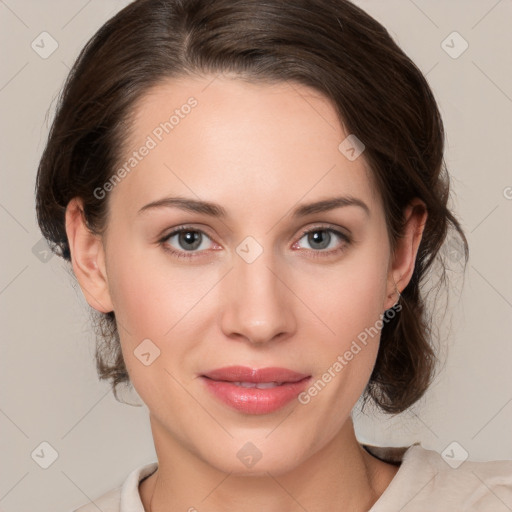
column 403, row 261
column 87, row 258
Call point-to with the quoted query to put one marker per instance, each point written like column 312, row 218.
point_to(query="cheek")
column 145, row 309
column 351, row 307
column 156, row 300
column 149, row 294
column 135, row 295
column 349, row 298
column 350, row 304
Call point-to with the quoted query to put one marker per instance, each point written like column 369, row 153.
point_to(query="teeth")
column 258, row 385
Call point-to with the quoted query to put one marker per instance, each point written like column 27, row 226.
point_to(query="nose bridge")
column 259, row 305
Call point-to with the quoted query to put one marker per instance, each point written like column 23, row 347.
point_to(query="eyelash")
column 316, row 253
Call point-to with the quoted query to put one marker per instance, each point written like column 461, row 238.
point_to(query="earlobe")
column 87, row 258
column 402, row 266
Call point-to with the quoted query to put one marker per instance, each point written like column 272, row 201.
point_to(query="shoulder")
column 109, row 502
column 124, row 498
column 428, row 480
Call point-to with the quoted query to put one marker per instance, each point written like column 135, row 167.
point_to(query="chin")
column 258, row 458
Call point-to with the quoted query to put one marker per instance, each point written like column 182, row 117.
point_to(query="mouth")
column 255, row 391
column 257, row 385
column 246, row 375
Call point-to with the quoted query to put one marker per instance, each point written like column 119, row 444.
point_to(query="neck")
column 340, row 476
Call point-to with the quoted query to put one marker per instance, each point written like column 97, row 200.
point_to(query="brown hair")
column 329, row 45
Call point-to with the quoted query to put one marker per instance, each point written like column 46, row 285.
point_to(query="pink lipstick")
column 255, row 391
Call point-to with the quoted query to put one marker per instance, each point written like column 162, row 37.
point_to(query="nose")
column 258, row 303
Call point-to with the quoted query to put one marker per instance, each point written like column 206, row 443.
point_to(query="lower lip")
column 253, row 400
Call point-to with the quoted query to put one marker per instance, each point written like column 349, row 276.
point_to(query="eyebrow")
column 216, row 210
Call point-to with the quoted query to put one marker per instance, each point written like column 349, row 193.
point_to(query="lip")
column 220, row 383
column 246, row 374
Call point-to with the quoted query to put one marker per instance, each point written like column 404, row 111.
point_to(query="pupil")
column 318, row 238
column 191, row 238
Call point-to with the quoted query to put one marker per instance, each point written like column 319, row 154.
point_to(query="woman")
column 251, row 195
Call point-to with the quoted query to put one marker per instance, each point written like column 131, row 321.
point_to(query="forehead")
column 227, row 140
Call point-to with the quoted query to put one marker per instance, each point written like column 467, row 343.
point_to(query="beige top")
column 425, row 482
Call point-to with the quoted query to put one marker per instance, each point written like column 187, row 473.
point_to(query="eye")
column 323, row 241
column 186, row 240
column 190, row 242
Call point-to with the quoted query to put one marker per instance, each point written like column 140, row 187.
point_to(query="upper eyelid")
column 325, row 227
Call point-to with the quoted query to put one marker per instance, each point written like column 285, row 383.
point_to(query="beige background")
column 49, row 388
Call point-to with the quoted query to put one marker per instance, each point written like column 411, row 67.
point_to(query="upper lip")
column 246, row 374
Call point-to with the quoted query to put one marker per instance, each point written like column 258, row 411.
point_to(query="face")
column 257, row 281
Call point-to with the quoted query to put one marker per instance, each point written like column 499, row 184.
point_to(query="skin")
column 258, row 150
